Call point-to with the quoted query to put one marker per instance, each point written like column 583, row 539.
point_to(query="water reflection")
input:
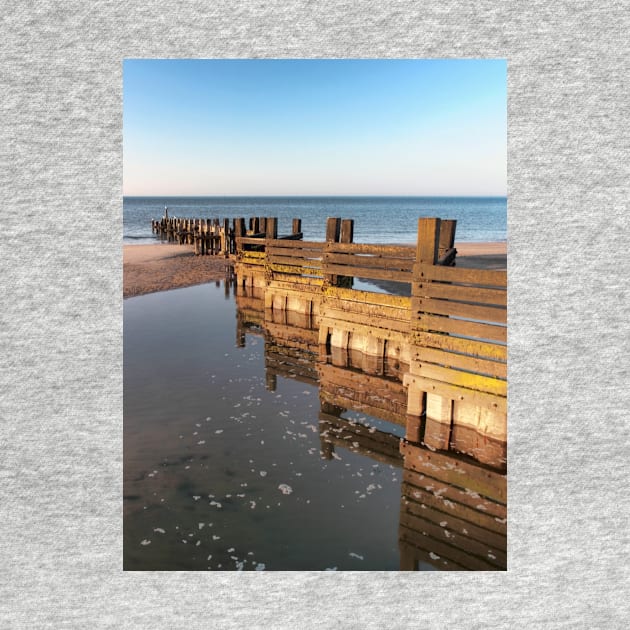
column 273, row 453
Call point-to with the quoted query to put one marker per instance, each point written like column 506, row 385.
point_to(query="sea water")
column 376, row 219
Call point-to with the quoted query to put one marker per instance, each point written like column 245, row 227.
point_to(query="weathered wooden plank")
column 282, row 245
column 371, row 262
column 494, row 314
column 461, row 293
column 470, row 347
column 376, row 321
column 481, row 277
column 257, row 257
column 399, row 251
column 370, row 310
column 456, row 392
column 300, row 270
column 459, row 378
column 251, row 239
column 363, row 272
column 475, row 330
column 294, row 258
column 306, row 284
column 459, row 361
column 368, row 297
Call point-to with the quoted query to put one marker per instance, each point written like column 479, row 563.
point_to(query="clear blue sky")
column 314, row 127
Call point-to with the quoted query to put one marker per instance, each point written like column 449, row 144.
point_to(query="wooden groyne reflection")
column 453, row 509
column 453, row 512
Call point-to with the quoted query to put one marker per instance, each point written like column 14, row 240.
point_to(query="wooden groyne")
column 217, row 237
column 450, row 334
column 446, row 339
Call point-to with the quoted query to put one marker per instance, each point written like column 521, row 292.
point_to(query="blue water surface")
column 376, row 219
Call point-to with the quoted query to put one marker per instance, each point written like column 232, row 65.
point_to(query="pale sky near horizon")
column 315, row 127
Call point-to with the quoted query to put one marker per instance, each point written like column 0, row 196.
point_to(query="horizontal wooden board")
column 363, row 272
column 299, row 270
column 369, row 297
column 370, row 262
column 400, row 251
column 497, row 369
column 455, row 392
column 303, row 284
column 277, row 245
column 494, row 314
column 459, row 378
column 481, row 277
column 377, row 322
column 301, row 259
column 458, row 292
column 471, row 347
column 462, row 327
column 370, row 310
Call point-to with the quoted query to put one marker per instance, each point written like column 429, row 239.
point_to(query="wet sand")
column 160, row 267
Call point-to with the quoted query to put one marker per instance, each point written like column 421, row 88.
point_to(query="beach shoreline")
column 162, row 267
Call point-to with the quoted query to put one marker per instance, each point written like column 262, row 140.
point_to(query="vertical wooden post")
column 239, row 231
column 271, row 228
column 346, row 236
column 226, row 237
column 333, row 229
column 428, row 241
column 239, row 227
column 297, row 226
column 347, row 231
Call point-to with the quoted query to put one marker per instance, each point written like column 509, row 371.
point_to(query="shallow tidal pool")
column 220, row 473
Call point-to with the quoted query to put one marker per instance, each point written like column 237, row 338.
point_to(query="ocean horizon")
column 377, row 219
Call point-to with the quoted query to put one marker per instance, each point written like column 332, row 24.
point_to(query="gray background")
column 61, row 333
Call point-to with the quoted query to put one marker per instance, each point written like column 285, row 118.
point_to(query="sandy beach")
column 160, row 267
